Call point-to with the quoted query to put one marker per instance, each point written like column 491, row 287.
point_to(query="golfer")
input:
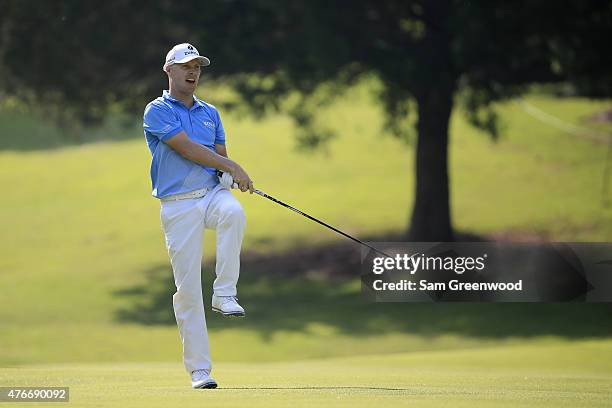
column 187, row 143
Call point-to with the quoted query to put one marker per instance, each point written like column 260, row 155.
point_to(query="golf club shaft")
column 310, row 217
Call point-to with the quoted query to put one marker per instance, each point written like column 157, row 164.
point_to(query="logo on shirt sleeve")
column 209, row 124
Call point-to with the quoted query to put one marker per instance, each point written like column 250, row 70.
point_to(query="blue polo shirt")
column 164, row 118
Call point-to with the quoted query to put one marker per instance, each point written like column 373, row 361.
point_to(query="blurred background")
column 391, row 120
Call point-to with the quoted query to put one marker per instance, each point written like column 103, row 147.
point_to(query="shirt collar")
column 196, row 102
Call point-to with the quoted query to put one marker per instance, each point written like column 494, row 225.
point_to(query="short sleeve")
column 161, row 122
column 220, row 132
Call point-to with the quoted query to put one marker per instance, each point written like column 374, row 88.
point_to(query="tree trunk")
column 431, row 219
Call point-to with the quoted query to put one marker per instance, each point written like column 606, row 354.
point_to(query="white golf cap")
column 182, row 53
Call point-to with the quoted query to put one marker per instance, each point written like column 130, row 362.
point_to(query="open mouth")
column 190, row 80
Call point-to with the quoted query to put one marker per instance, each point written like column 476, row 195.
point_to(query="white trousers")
column 183, row 222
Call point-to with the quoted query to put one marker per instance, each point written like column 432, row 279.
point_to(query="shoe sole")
column 207, row 386
column 229, row 314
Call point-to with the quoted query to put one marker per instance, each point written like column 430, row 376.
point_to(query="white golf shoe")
column 202, row 379
column 227, row 306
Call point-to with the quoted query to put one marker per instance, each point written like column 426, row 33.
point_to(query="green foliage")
column 61, row 56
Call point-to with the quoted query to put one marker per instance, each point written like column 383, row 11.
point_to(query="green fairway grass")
column 86, row 285
column 565, row 374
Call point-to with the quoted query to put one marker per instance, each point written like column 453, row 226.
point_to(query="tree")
column 433, row 52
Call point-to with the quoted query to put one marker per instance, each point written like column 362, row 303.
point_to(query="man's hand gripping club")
column 230, row 181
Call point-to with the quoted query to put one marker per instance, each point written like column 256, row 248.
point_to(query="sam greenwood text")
column 454, row 285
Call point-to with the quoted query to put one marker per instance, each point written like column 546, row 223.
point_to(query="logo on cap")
column 189, row 47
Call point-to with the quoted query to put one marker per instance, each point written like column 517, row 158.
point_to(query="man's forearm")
column 221, row 150
column 197, row 153
column 206, row 157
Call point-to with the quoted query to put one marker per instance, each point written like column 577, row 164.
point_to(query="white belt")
column 183, row 196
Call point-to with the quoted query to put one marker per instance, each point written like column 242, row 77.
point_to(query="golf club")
column 310, row 217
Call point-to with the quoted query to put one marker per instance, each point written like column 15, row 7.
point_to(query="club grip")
column 220, row 173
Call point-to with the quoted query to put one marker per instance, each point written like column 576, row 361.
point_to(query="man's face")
column 184, row 77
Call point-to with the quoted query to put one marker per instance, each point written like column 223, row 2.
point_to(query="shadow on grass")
column 290, row 291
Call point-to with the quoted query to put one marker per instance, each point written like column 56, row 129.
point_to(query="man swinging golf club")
column 187, row 144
